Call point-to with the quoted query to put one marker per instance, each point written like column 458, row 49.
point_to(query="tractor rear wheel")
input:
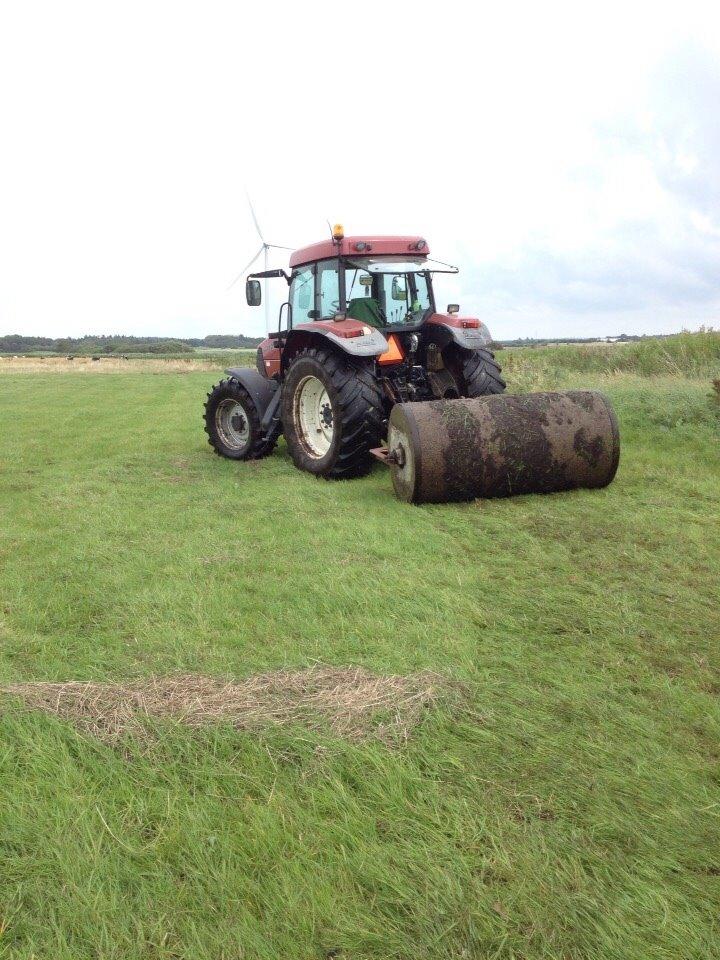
column 233, row 425
column 331, row 413
column 481, row 374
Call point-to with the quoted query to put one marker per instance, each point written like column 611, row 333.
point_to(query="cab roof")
column 361, row 246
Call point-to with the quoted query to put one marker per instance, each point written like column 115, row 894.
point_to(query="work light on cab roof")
column 359, row 350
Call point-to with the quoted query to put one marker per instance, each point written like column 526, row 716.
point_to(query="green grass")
column 570, row 810
column 686, row 354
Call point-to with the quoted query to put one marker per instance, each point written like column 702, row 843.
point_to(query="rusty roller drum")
column 498, row 446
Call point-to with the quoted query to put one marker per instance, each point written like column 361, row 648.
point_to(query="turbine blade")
column 255, row 219
column 278, row 246
column 246, row 268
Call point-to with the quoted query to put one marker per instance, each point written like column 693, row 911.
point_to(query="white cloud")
column 564, row 156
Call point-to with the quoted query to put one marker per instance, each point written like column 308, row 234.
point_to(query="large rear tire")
column 481, row 374
column 332, row 413
column 232, row 423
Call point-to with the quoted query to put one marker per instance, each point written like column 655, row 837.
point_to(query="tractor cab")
column 388, row 291
column 385, row 282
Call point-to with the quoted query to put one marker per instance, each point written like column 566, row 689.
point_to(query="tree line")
column 113, row 344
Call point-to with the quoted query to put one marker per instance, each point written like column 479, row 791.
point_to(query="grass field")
column 563, row 802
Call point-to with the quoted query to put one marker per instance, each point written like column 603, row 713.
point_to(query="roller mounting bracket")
column 394, row 457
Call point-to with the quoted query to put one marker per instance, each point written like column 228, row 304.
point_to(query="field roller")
column 497, row 446
column 364, row 363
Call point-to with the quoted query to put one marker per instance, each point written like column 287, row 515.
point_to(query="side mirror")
column 253, row 293
column 453, row 308
column 398, row 291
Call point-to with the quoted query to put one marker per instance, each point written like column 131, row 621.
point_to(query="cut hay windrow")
column 351, row 702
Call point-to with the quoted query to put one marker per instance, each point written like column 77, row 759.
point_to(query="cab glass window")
column 394, row 294
column 420, row 293
column 302, row 295
column 358, row 283
column 329, row 288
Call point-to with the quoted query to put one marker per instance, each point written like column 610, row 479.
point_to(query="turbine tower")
column 264, row 249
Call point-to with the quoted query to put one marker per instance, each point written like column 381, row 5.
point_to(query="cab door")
column 302, row 295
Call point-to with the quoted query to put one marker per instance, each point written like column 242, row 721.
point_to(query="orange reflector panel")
column 394, row 353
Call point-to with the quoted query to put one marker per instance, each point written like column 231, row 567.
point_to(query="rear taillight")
column 470, row 324
column 350, row 331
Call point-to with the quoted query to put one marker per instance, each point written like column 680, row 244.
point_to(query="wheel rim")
column 233, row 425
column 314, row 418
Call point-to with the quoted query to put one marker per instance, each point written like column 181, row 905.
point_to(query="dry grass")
column 352, row 702
column 103, row 365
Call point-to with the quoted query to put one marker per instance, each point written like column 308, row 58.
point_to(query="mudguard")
column 450, row 327
column 260, row 388
column 351, row 336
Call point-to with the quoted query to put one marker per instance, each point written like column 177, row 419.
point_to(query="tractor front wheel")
column 233, row 425
column 331, row 413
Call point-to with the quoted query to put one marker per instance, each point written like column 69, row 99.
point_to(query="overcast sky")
column 565, row 156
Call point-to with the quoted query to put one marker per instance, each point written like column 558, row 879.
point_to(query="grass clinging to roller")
column 565, row 807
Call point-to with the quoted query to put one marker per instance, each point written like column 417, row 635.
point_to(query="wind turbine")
column 264, row 249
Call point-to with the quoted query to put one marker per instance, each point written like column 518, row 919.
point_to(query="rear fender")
column 445, row 328
column 349, row 336
column 261, row 389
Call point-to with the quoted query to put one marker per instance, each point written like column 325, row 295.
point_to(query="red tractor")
column 359, row 333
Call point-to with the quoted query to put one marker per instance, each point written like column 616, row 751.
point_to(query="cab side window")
column 358, row 283
column 394, row 297
column 302, row 295
column 329, row 288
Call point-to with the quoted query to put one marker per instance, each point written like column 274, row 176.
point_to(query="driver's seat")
column 366, row 310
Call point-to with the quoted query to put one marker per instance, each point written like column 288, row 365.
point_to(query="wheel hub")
column 238, row 422
column 326, row 415
column 232, row 424
column 314, row 419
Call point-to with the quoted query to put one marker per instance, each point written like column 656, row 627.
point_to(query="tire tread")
column 482, row 374
column 260, row 446
column 361, row 412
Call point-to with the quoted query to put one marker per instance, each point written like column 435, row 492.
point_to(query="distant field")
column 533, row 772
column 202, row 360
